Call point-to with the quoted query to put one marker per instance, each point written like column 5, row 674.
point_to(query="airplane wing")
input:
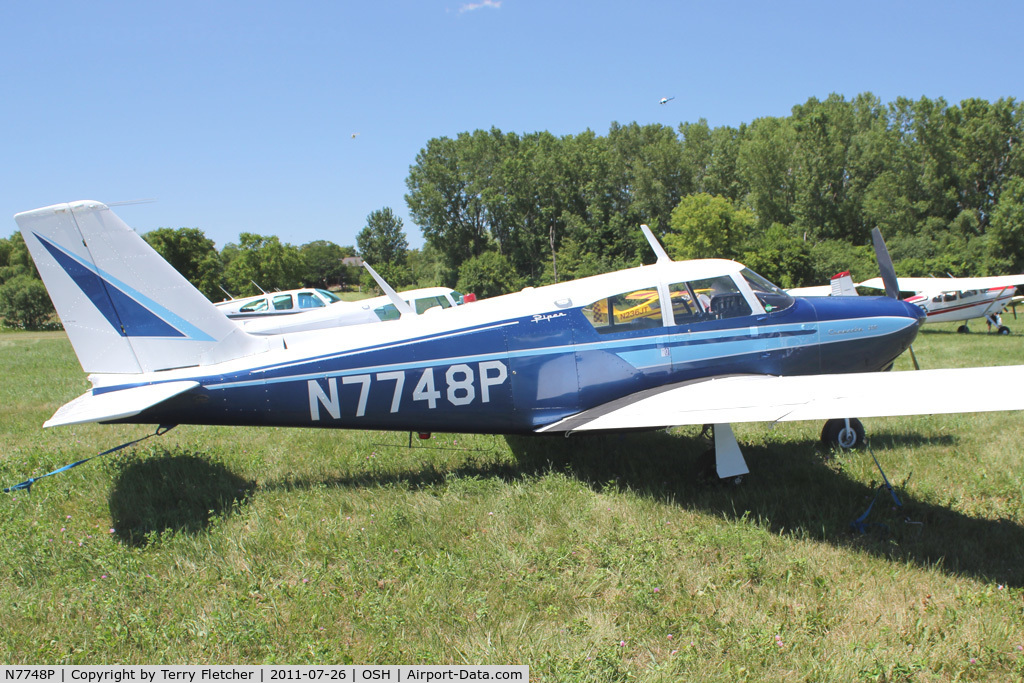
column 113, row 405
column 765, row 398
column 948, row 284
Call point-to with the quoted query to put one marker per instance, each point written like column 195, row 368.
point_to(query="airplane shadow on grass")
column 170, row 491
column 791, row 490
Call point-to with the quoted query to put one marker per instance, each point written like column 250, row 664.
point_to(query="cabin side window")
column 713, row 298
column 309, row 300
column 627, row 312
column 282, row 302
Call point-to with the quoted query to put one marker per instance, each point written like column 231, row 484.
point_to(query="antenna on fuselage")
column 403, row 307
column 659, row 250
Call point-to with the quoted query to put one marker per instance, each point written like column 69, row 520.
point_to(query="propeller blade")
column 885, row 267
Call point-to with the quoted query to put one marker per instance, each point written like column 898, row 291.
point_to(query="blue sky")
column 239, row 116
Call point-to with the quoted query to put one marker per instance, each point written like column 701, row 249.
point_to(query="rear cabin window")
column 387, row 312
column 254, row 306
column 282, row 302
column 626, row 312
column 429, row 302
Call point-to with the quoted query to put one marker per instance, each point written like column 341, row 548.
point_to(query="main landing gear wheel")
column 847, row 434
column 1003, row 329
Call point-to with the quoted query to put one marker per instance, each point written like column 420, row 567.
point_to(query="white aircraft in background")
column 288, row 302
column 943, row 299
column 345, row 313
column 949, row 299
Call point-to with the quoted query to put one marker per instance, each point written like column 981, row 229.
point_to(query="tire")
column 963, row 329
column 1003, row 329
column 835, row 434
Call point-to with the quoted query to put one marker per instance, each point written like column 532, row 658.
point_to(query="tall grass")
column 589, row 559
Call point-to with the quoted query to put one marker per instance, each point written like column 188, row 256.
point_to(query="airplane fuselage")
column 953, row 306
column 516, row 374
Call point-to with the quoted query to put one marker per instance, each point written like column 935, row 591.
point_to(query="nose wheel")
column 847, row 434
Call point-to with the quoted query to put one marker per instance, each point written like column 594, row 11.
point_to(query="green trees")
column 192, row 254
column 705, row 226
column 807, row 189
column 551, row 207
column 24, row 302
column 261, row 260
column 255, row 258
column 486, row 275
column 382, row 244
column 322, row 264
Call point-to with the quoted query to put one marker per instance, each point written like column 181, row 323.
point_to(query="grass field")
column 588, row 559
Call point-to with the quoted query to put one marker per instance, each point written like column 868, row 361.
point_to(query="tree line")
column 794, row 198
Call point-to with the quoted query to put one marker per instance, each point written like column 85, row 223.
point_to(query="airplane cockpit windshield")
column 771, row 297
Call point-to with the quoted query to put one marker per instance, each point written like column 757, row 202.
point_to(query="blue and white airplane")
column 711, row 343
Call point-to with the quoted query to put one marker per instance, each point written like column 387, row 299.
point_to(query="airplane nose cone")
column 915, row 311
column 863, row 334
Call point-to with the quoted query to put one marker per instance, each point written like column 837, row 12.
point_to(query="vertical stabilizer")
column 125, row 309
column 842, row 284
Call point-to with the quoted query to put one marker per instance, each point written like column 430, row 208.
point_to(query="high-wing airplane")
column 951, row 299
column 727, row 346
column 943, row 299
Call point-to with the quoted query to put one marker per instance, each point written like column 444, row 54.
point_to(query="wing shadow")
column 798, row 493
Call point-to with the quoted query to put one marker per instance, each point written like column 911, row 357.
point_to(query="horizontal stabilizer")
column 114, row 405
column 763, row 398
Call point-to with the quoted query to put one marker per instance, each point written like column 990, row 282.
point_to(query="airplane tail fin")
column 842, row 285
column 125, row 309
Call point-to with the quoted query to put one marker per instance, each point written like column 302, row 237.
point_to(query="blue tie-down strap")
column 27, row 484
column 861, row 525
